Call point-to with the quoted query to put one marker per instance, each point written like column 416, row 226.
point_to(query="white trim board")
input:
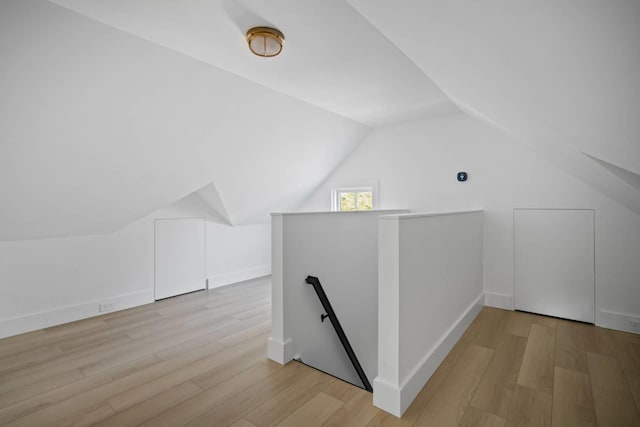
column 396, row 400
column 378, row 211
column 605, row 319
column 503, row 301
column 280, row 352
column 217, row 280
column 61, row 315
column 427, row 214
column 619, row 321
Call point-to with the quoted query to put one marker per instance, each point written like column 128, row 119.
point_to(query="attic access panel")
column 179, row 265
column 554, row 260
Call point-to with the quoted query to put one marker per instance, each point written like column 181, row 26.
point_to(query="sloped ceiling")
column 99, row 128
column 561, row 76
column 111, row 109
column 333, row 58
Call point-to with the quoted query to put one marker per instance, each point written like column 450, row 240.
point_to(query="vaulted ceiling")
column 111, row 109
column 561, row 76
column 333, row 59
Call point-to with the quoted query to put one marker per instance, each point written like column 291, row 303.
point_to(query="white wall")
column 98, row 128
column 430, row 290
column 416, row 165
column 561, row 75
column 52, row 281
column 341, row 249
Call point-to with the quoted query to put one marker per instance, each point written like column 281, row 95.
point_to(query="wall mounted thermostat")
column 462, row 176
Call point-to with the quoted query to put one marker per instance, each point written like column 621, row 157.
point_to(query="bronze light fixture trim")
column 265, row 41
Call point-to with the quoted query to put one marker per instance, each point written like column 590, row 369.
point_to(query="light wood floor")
column 199, row 359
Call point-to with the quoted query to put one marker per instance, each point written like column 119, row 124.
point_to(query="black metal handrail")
column 315, row 282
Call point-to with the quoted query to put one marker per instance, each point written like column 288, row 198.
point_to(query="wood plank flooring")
column 200, row 360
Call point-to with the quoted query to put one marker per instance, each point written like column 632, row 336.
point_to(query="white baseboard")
column 606, row 319
column 396, row 400
column 280, row 352
column 218, row 280
column 619, row 321
column 58, row 316
column 504, row 301
column 387, row 397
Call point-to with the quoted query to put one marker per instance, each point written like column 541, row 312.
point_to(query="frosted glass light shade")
column 265, row 41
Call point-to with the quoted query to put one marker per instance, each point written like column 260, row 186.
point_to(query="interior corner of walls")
column 619, row 321
column 493, row 299
column 387, row 396
column 223, row 279
column 59, row 316
column 415, row 381
column 280, row 352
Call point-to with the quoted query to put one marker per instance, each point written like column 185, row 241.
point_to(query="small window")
column 352, row 199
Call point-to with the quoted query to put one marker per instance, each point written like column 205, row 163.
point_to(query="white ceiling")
column 333, row 58
column 111, row 109
column 561, row 76
column 99, row 128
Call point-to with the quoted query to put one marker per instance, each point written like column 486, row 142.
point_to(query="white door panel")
column 179, row 256
column 554, row 262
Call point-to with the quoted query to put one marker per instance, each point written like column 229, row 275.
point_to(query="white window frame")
column 354, row 188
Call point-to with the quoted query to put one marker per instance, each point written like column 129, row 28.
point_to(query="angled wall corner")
column 631, row 178
column 211, row 197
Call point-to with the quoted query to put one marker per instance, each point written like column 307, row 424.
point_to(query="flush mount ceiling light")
column 265, row 41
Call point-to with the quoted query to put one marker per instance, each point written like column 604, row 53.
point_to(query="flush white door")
column 554, row 262
column 179, row 256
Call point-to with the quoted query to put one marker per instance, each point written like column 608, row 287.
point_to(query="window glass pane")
column 365, row 201
column 347, row 201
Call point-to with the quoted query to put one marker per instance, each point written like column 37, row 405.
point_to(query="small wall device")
column 462, row 176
